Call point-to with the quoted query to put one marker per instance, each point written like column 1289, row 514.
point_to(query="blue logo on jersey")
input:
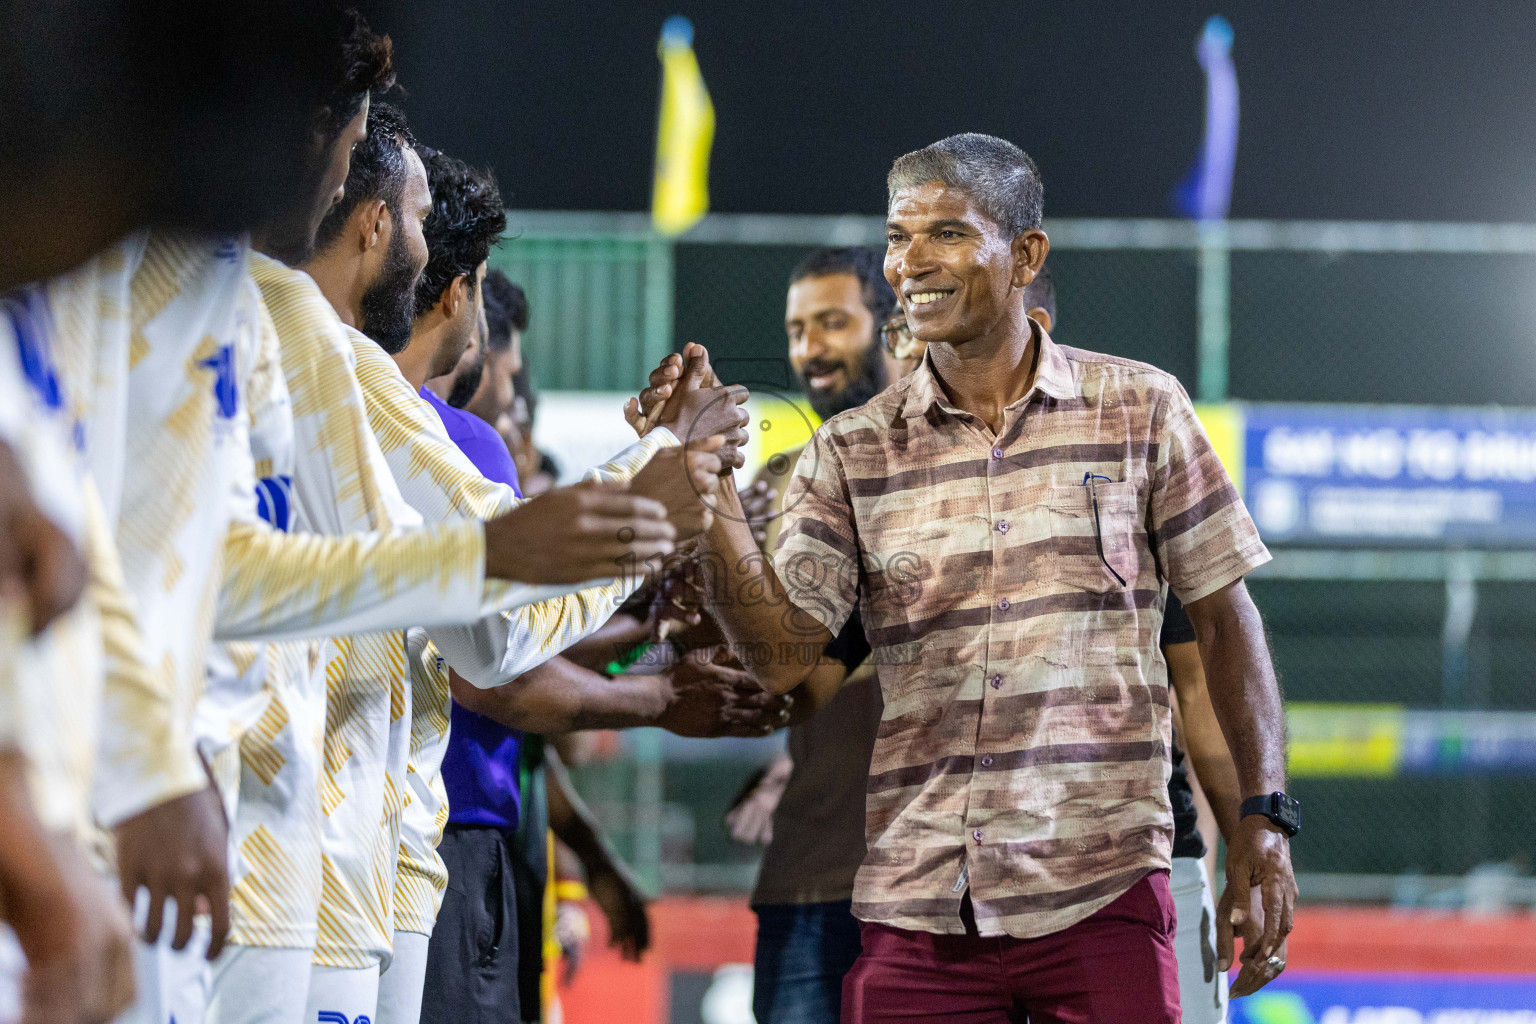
column 31, row 320
column 222, row 363
column 333, row 1017
column 229, row 250
column 274, row 500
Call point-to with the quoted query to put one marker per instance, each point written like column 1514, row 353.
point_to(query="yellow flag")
column 684, row 135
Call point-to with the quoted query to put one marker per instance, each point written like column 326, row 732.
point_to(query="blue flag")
column 1206, row 193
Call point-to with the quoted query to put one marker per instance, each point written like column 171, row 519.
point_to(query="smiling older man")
column 1006, row 519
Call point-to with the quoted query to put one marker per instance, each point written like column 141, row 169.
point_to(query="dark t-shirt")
column 850, row 646
column 1187, row 842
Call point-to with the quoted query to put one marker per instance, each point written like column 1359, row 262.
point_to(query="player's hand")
column 625, row 907
column 684, row 480
column 1255, row 974
column 750, row 821
column 1259, row 902
column 710, row 700
column 572, row 931
column 588, row 531
column 687, row 399
column 674, row 601
column 37, row 561
column 179, row 849
column 78, row 943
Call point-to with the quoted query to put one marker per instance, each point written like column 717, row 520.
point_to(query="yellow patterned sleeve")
column 146, row 754
column 300, row 585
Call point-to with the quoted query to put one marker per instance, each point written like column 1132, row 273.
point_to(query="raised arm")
column 764, row 628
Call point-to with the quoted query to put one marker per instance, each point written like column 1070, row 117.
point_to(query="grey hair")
column 999, row 176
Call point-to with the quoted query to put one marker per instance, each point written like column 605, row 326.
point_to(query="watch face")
column 1288, row 811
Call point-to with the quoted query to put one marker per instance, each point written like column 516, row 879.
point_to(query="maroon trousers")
column 1115, row 967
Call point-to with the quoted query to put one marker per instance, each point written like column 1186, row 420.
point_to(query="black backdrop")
column 1360, row 110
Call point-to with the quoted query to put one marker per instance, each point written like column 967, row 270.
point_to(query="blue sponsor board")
column 1419, row 475
column 1299, row 997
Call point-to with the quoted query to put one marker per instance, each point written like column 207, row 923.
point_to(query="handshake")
column 599, row 530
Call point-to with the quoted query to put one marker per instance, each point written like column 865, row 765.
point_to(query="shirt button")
column 997, row 453
column 986, row 762
column 977, row 836
column 1003, row 604
column 1002, row 527
column 997, row 682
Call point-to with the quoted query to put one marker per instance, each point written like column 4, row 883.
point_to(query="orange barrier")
column 699, row 934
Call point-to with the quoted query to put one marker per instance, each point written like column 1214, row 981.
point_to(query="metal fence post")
column 649, row 796
column 1215, row 295
column 658, row 301
column 1456, row 635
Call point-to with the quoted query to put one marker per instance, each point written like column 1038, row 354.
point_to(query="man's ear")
column 457, row 292
column 1029, row 252
column 374, row 223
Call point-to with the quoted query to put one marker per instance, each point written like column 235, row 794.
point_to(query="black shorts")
column 472, row 961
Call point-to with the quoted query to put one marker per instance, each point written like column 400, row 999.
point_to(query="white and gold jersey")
column 151, row 335
column 338, row 485
column 49, row 685
column 367, row 563
column 440, row 482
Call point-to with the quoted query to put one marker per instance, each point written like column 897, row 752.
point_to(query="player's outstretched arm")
column 689, row 697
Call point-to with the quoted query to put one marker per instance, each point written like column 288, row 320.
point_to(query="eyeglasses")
column 1091, row 481
column 898, row 340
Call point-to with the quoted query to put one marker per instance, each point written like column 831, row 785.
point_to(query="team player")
column 64, row 937
column 356, row 913
column 334, row 486
column 162, row 332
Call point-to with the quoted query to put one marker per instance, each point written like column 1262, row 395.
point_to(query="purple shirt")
column 480, row 764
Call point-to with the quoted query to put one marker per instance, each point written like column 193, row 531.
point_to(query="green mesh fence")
column 1438, row 314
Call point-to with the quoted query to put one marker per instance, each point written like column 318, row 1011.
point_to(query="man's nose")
column 808, row 345
column 917, row 259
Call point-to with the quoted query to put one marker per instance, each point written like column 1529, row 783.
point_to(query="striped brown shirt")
column 1024, row 746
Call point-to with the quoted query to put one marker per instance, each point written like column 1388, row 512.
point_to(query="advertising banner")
column 1421, row 475
column 1300, row 997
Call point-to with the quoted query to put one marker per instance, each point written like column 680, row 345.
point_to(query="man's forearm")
column 560, row 696
column 618, row 637
column 1203, row 741
column 1243, row 690
column 751, row 605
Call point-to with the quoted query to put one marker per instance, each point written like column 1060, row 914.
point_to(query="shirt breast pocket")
column 1093, row 550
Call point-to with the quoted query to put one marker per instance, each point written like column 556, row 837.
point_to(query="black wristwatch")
column 1278, row 808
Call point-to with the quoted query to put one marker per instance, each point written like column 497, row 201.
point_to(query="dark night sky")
column 1350, row 110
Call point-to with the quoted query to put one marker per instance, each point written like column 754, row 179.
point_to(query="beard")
column 467, row 383
column 389, row 304
column 872, row 380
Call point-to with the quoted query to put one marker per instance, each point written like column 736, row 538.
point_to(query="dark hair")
column 1042, row 292
column 186, row 113
column 467, row 218
column 506, row 310
column 377, row 171
column 864, row 263
column 364, row 64
column 999, row 176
